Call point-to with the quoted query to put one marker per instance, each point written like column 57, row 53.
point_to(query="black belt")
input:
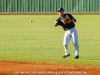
column 68, row 28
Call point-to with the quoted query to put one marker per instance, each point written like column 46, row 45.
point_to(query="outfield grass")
column 40, row 41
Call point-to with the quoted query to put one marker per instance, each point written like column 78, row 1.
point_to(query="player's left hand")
column 66, row 20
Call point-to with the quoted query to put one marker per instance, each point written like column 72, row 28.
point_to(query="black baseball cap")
column 60, row 9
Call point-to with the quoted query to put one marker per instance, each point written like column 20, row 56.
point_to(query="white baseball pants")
column 72, row 33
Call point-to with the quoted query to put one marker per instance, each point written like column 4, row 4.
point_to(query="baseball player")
column 67, row 21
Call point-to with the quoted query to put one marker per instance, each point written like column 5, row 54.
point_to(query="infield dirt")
column 31, row 68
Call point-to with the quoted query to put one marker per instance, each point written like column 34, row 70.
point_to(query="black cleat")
column 76, row 57
column 66, row 56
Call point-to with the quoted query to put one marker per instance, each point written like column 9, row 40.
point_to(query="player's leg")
column 75, row 42
column 66, row 41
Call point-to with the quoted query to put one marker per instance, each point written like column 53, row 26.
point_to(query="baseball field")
column 35, row 48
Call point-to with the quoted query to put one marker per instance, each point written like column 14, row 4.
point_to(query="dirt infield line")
column 31, row 68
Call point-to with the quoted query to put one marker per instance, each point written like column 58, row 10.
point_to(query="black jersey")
column 67, row 25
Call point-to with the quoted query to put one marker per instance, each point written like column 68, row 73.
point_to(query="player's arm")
column 56, row 23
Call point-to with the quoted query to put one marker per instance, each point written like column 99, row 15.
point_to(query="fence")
column 49, row 5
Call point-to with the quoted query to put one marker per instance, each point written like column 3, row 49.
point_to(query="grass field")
column 40, row 41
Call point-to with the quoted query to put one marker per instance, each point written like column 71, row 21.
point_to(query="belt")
column 68, row 28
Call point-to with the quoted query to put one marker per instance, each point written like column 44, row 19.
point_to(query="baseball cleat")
column 76, row 57
column 66, row 56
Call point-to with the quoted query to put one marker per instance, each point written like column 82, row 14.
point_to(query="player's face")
column 61, row 13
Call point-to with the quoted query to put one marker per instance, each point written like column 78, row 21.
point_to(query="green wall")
column 49, row 5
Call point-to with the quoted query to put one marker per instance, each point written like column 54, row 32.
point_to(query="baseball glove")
column 66, row 20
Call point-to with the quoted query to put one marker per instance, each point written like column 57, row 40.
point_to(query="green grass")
column 40, row 41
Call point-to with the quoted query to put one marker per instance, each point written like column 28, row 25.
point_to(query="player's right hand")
column 55, row 23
